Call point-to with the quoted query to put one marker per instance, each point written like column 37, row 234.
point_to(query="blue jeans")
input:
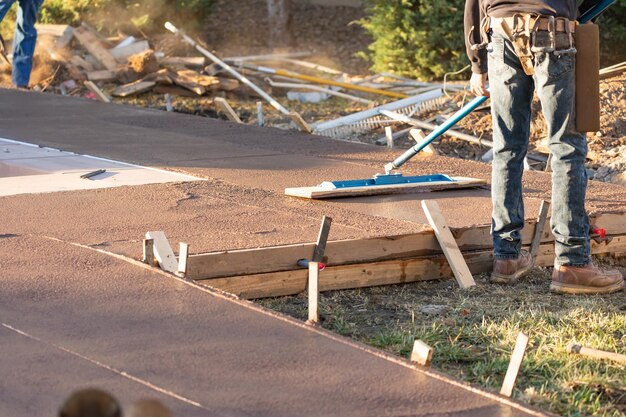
column 511, row 97
column 25, row 37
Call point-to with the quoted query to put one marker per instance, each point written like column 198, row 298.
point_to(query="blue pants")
column 511, row 97
column 25, row 37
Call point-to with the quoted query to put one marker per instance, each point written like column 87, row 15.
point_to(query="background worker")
column 25, row 38
column 523, row 47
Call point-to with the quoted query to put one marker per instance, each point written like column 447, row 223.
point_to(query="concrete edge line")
column 110, row 368
column 323, row 332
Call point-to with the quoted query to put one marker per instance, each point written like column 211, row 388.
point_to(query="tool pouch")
column 587, row 78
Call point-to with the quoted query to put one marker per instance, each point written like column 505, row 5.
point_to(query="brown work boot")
column 588, row 279
column 508, row 271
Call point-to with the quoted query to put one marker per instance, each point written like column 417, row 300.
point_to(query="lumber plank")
column 225, row 108
column 99, row 93
column 514, row 365
column 134, row 88
column 82, row 63
column 121, row 54
column 182, row 79
column 92, row 44
column 448, row 244
column 190, row 61
column 541, row 221
column 362, row 275
column 163, row 251
column 299, row 121
column 102, row 75
column 321, row 193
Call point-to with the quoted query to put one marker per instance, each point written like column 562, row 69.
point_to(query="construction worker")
column 24, row 39
column 522, row 47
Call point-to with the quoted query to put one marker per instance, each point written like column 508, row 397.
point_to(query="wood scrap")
column 188, row 82
column 159, row 77
column 122, row 54
column 99, row 94
column 224, row 107
column 80, row 62
column 163, row 252
column 134, row 88
column 226, row 84
column 422, row 353
column 144, row 62
column 514, row 365
column 173, row 90
column 102, row 75
column 178, row 61
column 92, row 44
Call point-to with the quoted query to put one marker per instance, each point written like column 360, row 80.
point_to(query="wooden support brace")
column 223, row 106
column 299, row 121
column 322, row 238
column 595, row 353
column 514, row 365
column 389, row 136
column 422, row 353
column 183, row 255
column 448, row 244
column 314, row 277
column 148, row 251
column 163, row 252
column 419, row 136
column 541, row 221
column 99, row 94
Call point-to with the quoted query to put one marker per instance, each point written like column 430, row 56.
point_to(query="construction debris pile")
column 383, row 108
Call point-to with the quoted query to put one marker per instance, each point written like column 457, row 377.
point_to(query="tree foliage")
column 424, row 39
column 416, row 38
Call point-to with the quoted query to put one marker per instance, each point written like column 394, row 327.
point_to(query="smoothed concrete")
column 229, row 356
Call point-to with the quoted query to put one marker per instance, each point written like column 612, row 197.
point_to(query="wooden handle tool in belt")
column 521, row 45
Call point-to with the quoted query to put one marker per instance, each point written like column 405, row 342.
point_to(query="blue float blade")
column 391, row 179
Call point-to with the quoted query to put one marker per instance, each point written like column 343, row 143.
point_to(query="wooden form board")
column 92, row 44
column 355, row 251
column 121, row 54
column 448, row 244
column 380, row 273
column 321, row 192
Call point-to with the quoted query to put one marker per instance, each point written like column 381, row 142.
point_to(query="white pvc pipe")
column 169, row 26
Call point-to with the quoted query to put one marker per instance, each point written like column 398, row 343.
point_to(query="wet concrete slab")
column 228, row 357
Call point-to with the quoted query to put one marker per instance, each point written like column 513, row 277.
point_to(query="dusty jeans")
column 25, row 37
column 511, row 96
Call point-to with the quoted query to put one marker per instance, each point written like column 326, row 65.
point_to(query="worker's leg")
column 24, row 41
column 555, row 81
column 5, row 6
column 511, row 96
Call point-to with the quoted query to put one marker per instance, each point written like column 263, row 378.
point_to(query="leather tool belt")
column 522, row 31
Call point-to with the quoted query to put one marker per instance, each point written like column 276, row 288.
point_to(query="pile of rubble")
column 131, row 64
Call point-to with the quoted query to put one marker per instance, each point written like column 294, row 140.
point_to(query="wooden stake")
column 299, row 121
column 163, row 252
column 448, row 244
column 595, row 353
column 223, row 106
column 422, row 353
column 514, row 365
column 389, row 136
column 183, row 255
column 259, row 112
column 314, row 293
column 148, row 251
column 99, row 94
column 541, row 221
column 549, row 163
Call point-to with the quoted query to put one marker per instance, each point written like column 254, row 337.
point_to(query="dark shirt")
column 475, row 10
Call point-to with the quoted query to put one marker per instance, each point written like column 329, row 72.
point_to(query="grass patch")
column 473, row 333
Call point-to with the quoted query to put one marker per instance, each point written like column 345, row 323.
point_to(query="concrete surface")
column 99, row 316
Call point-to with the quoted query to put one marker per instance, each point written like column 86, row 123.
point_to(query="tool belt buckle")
column 571, row 49
column 551, row 35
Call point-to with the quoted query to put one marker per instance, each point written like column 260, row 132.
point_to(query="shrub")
column 424, row 39
column 413, row 38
